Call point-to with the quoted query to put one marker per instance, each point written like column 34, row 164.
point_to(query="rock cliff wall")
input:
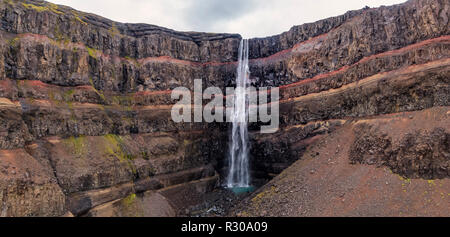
column 85, row 101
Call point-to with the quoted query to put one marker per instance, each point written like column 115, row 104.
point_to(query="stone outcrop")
column 422, row 153
column 85, row 105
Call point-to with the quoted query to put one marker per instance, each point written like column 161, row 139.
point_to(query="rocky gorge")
column 86, row 129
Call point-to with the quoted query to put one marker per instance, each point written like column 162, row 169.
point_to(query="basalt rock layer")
column 85, row 107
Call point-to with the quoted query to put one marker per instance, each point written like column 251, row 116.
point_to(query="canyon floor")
column 324, row 182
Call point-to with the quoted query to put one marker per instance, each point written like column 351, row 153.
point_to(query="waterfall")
column 238, row 162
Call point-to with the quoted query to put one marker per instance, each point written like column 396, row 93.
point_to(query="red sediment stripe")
column 278, row 55
column 160, row 59
column 283, row 53
column 40, row 84
column 399, row 71
column 34, row 36
column 36, row 83
column 8, row 83
column 366, row 59
column 287, row 52
column 318, row 77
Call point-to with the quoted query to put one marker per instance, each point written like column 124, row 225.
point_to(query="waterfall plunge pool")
column 242, row 190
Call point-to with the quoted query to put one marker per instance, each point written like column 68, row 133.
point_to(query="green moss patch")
column 129, row 200
column 68, row 95
column 14, row 42
column 114, row 147
column 113, row 30
column 78, row 18
column 133, row 61
column 49, row 7
column 77, row 145
column 97, row 91
column 10, row 2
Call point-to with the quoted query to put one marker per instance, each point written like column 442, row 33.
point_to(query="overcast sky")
column 250, row 18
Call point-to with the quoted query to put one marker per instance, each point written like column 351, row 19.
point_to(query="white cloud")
column 250, row 18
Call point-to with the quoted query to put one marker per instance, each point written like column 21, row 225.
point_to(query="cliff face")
column 85, row 103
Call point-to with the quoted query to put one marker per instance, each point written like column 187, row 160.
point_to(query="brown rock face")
column 28, row 187
column 85, row 125
column 421, row 154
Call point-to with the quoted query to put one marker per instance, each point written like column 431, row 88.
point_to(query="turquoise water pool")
column 241, row 190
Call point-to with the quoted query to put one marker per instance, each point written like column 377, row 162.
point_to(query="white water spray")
column 238, row 163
